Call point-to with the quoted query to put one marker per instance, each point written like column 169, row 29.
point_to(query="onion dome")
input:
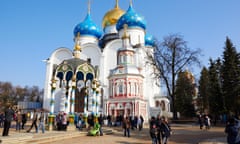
column 112, row 16
column 88, row 27
column 149, row 40
column 132, row 19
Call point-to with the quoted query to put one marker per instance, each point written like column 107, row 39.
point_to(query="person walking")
column 139, row 123
column 18, row 120
column 34, row 122
column 1, row 119
column 159, row 123
column 100, row 121
column 142, row 121
column 200, row 122
column 207, row 122
column 232, row 131
column 126, row 126
column 41, row 122
column 165, row 130
column 109, row 119
column 80, row 122
column 9, row 112
column 64, row 122
column 153, row 130
column 24, row 120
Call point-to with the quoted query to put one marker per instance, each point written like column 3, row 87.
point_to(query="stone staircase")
column 47, row 137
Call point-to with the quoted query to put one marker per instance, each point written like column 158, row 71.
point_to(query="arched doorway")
column 79, row 100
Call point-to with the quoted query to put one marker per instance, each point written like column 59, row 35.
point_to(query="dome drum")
column 136, row 35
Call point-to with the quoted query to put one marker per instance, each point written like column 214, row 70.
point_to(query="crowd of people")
column 204, row 121
column 159, row 127
column 127, row 123
column 12, row 114
column 160, row 130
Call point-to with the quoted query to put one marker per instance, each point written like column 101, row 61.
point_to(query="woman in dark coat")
column 154, row 131
column 165, row 130
column 9, row 112
column 231, row 131
column 126, row 126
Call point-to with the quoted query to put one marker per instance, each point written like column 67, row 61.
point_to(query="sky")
column 30, row 30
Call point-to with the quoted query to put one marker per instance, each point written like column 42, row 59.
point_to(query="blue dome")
column 88, row 27
column 149, row 40
column 132, row 19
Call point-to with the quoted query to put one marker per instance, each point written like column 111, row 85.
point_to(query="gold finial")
column 78, row 35
column 77, row 46
column 131, row 2
column 116, row 6
column 53, row 80
column 74, row 78
column 125, row 26
column 89, row 6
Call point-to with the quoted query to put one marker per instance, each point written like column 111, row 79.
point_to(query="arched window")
column 120, row 88
column 157, row 104
column 163, row 106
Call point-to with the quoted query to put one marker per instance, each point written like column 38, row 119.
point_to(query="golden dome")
column 112, row 16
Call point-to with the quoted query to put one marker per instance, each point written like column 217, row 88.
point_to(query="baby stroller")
column 95, row 130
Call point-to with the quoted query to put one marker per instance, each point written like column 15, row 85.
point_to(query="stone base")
column 49, row 127
column 71, row 127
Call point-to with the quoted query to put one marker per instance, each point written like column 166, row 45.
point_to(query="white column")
column 93, row 102
column 73, row 100
column 85, row 102
column 62, row 101
column 69, row 99
column 52, row 101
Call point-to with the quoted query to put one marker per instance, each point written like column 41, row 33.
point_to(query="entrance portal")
column 79, row 100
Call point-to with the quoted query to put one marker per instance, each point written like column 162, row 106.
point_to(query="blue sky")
column 30, row 30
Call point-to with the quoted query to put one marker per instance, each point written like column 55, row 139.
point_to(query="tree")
column 20, row 92
column 170, row 57
column 185, row 91
column 11, row 95
column 215, row 91
column 203, row 97
column 6, row 94
column 231, row 77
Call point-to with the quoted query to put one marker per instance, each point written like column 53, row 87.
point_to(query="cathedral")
column 106, row 71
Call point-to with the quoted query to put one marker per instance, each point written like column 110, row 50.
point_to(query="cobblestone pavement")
column 182, row 134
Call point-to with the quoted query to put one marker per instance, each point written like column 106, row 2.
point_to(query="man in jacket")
column 34, row 121
column 9, row 112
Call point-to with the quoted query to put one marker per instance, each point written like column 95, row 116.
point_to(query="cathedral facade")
column 106, row 72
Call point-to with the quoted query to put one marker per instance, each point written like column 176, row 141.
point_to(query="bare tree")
column 169, row 57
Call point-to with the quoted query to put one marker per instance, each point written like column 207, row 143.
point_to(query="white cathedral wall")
column 92, row 51
column 109, row 62
column 150, row 87
column 56, row 57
